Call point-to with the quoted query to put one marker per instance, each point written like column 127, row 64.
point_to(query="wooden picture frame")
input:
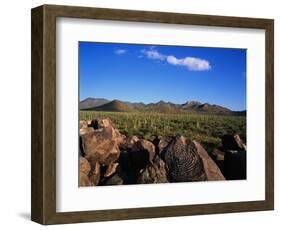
column 43, row 208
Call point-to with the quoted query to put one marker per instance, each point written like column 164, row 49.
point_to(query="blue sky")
column 150, row 73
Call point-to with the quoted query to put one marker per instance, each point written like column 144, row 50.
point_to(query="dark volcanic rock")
column 160, row 144
column 142, row 147
column 94, row 124
column 110, row 169
column 121, row 176
column 218, row 154
column 239, row 142
column 233, row 142
column 183, row 162
column 153, row 173
column 113, row 180
column 140, row 155
column 235, row 165
column 128, row 143
column 126, row 170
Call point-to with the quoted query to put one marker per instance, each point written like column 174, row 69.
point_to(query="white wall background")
column 15, row 113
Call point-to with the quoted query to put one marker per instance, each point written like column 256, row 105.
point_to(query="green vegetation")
column 207, row 129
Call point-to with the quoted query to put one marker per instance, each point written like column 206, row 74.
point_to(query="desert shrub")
column 207, row 129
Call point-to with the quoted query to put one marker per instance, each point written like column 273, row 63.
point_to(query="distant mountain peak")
column 161, row 102
column 192, row 103
column 114, row 106
column 91, row 102
column 116, row 101
column 93, row 98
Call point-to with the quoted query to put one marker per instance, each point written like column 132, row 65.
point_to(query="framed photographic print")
column 141, row 114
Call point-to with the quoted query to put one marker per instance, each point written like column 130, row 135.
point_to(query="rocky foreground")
column 109, row 158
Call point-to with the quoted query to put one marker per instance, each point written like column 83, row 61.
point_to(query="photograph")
column 174, row 108
column 151, row 114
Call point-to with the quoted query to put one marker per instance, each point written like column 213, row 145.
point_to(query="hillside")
column 92, row 104
column 163, row 107
column 113, row 106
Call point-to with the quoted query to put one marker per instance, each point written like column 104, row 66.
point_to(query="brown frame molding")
column 43, row 159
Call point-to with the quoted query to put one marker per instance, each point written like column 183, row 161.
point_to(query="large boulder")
column 84, row 171
column 183, row 163
column 212, row 171
column 140, row 155
column 153, row 173
column 144, row 146
column 101, row 145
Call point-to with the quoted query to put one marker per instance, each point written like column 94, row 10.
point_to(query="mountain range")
column 102, row 104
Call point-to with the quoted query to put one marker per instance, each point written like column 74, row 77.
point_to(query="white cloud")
column 191, row 63
column 120, row 51
column 153, row 54
column 172, row 60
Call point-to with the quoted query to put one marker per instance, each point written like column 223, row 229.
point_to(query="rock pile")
column 109, row 158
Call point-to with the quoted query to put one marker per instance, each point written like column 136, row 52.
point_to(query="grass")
column 207, row 129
